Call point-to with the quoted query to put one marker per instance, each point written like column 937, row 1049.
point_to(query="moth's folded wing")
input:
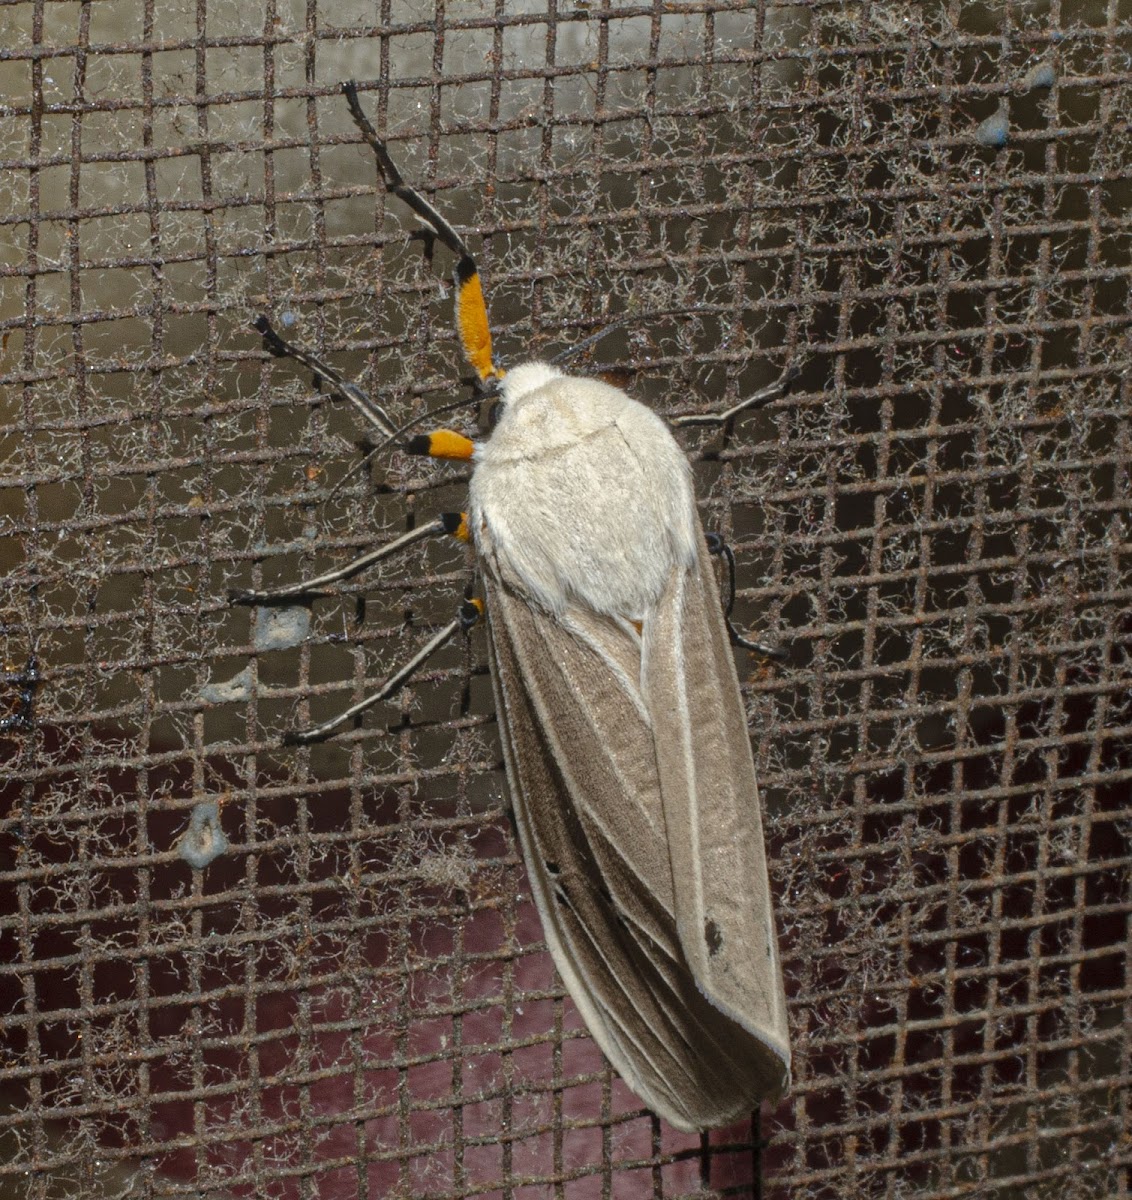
column 581, row 760
column 722, row 898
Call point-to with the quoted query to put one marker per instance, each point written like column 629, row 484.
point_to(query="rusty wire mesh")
column 233, row 969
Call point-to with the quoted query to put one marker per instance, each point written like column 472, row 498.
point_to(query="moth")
column 623, row 730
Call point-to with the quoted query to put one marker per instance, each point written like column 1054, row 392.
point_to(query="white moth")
column 626, row 745
column 623, row 729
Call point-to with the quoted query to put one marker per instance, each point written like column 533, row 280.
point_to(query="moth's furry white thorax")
column 526, row 378
column 581, row 495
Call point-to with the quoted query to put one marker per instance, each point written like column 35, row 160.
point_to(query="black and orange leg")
column 471, row 310
column 475, row 337
column 442, row 443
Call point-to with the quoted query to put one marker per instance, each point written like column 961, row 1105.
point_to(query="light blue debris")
column 281, row 628
column 239, row 687
column 994, row 130
column 204, row 840
column 1040, row 75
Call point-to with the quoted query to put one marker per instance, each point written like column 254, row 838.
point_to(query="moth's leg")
column 26, row 680
column 322, row 371
column 471, row 311
column 441, row 443
column 468, row 614
column 717, row 545
column 765, row 396
column 453, row 524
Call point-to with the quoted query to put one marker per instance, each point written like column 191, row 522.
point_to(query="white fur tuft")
column 581, row 495
column 525, row 378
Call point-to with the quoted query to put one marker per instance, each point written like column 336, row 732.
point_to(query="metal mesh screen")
column 232, row 968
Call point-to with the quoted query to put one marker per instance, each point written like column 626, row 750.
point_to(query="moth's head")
column 512, row 388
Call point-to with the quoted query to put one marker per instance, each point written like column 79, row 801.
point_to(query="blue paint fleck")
column 994, row 130
column 1040, row 75
column 279, row 628
column 204, row 840
column 239, row 687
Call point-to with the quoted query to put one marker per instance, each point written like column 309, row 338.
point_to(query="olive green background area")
column 921, row 206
